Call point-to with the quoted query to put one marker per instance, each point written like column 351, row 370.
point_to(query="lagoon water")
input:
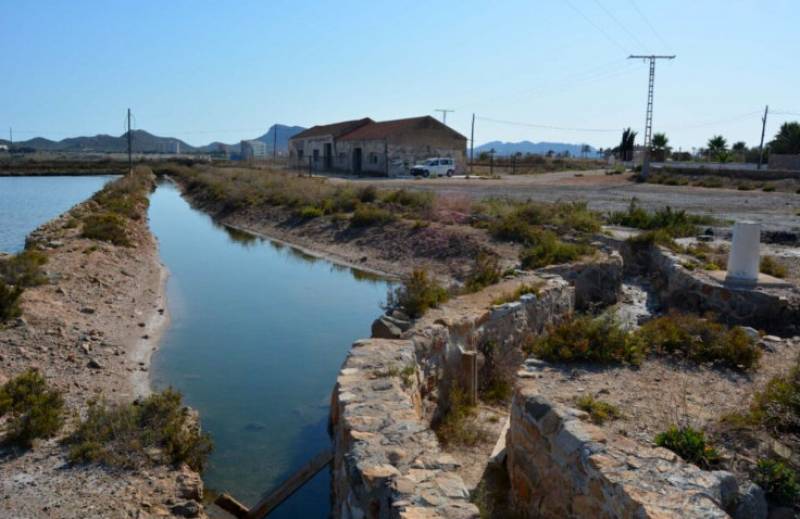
column 257, row 335
column 28, row 202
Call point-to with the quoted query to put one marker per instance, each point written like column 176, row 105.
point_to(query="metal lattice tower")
column 648, row 123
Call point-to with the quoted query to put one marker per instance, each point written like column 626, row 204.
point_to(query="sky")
column 546, row 70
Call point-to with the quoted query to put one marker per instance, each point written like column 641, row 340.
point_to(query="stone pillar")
column 469, row 375
column 743, row 260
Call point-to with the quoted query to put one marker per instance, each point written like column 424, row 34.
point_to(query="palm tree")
column 626, row 145
column 660, row 146
column 787, row 139
column 739, row 146
column 718, row 148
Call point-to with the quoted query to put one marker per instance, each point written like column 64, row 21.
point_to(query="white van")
column 435, row 167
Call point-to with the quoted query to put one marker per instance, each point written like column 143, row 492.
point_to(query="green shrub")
column 367, row 194
column 417, row 294
column 744, row 187
column 24, row 269
column 109, row 227
column 485, row 272
column 550, row 250
column 309, row 211
column 366, row 215
column 454, row 427
column 690, row 444
column 34, row 409
column 772, row 268
column 9, row 301
column 675, row 223
column 518, row 293
column 587, row 339
column 523, row 222
column 655, row 237
column 768, row 189
column 599, row 411
column 417, row 200
column 778, row 481
column 157, row 430
column 777, row 406
column 700, row 340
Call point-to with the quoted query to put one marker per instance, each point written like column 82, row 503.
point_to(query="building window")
column 299, row 154
column 316, row 155
column 373, row 158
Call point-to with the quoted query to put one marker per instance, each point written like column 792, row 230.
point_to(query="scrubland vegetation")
column 157, row 430
column 34, row 409
column 601, row 339
column 417, row 294
column 17, row 273
column 690, row 444
column 672, row 223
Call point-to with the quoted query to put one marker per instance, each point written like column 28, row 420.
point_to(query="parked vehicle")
column 435, row 167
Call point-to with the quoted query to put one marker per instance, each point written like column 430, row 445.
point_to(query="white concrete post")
column 743, row 260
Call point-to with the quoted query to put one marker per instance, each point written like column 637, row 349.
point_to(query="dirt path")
column 776, row 211
column 91, row 331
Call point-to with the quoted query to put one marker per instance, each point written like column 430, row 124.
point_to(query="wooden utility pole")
column 472, row 145
column 444, row 112
column 130, row 143
column 274, row 143
column 648, row 125
column 763, row 129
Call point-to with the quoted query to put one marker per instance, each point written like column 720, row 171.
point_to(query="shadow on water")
column 258, row 332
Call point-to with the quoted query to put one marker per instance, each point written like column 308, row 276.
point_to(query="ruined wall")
column 597, row 282
column 772, row 308
column 562, row 467
column 388, row 463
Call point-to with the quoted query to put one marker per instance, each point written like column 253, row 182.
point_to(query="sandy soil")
column 91, row 330
column 776, row 211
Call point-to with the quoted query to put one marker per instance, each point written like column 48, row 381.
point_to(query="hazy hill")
column 143, row 142
column 284, row 134
column 537, row 148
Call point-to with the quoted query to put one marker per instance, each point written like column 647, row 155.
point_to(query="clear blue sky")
column 204, row 71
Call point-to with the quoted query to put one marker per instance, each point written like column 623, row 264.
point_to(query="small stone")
column 94, row 364
column 87, row 310
column 187, row 509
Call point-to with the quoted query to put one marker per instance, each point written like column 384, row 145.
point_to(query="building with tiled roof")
column 387, row 148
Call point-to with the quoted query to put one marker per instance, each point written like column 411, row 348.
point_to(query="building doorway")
column 327, row 157
column 357, row 161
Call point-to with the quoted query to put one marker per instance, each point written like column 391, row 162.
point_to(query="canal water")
column 28, row 202
column 257, row 335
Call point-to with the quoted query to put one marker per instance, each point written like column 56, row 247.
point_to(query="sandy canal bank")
column 91, row 330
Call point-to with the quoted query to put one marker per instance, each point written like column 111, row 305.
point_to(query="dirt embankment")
column 91, row 330
column 392, row 249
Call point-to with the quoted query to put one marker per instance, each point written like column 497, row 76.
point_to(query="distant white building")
column 3, row 147
column 253, row 150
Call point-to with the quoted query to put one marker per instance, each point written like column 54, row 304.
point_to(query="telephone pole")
column 472, row 144
column 648, row 125
column 11, row 136
column 444, row 111
column 274, row 143
column 130, row 143
column 763, row 129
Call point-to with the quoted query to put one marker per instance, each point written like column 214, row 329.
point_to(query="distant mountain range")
column 145, row 142
column 536, row 148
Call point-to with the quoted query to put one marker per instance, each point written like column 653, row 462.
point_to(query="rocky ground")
column 90, row 330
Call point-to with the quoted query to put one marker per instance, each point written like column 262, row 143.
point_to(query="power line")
column 650, row 25
column 545, row 126
column 616, row 20
column 600, row 29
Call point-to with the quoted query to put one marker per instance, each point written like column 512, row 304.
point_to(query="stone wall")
column 562, row 467
column 388, row 463
column 771, row 307
column 597, row 282
column 784, row 161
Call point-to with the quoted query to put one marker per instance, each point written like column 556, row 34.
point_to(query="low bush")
column 417, row 294
column 485, row 272
column 418, row 201
column 778, row 481
column 550, row 250
column 108, row 227
column 309, row 212
column 523, row 222
column 157, row 430
column 454, row 427
column 366, row 215
column 655, row 237
column 587, row 339
column 599, row 411
column 35, row 410
column 518, row 293
column 675, row 223
column 367, row 194
column 9, row 301
column 772, row 268
column 690, row 444
column 777, row 406
column 24, row 269
column 700, row 340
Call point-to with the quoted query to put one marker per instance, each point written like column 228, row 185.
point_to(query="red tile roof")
column 384, row 129
column 335, row 129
